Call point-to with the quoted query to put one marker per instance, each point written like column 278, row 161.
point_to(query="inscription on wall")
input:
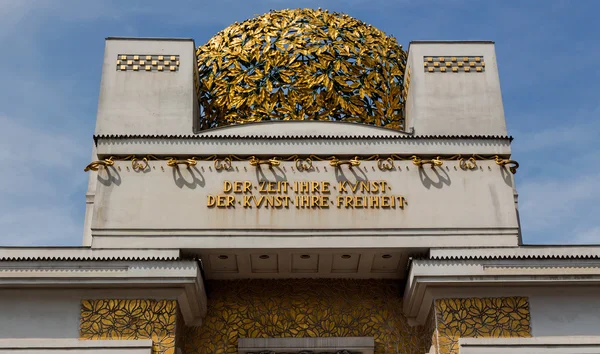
column 307, row 194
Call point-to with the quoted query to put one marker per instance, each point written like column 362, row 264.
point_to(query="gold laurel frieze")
column 480, row 317
column 131, row 319
column 303, row 164
column 305, row 308
column 301, row 64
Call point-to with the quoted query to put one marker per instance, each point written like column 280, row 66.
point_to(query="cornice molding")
column 86, row 254
column 428, row 278
column 521, row 252
column 300, row 137
column 182, row 275
column 342, row 145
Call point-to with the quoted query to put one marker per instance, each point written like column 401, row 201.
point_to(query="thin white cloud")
column 560, row 205
column 43, row 195
column 44, row 170
column 559, row 186
column 569, row 135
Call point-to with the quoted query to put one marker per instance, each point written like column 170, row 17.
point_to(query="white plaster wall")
column 536, row 345
column 141, row 102
column 565, row 311
column 455, row 103
column 53, row 346
column 441, row 200
column 36, row 313
column 561, row 310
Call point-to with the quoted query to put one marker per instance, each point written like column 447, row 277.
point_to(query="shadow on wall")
column 112, row 176
column 434, row 177
column 189, row 177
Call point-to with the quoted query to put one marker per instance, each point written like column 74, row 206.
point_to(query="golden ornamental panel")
column 305, row 308
column 475, row 317
column 301, row 64
column 149, row 63
column 131, row 319
column 450, row 64
column 406, row 85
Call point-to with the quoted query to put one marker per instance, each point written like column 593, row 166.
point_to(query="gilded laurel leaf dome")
column 301, row 65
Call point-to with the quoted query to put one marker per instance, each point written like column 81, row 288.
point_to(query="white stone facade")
column 150, row 233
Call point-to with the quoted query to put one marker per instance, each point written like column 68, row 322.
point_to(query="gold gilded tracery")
column 480, row 317
column 131, row 319
column 304, row 163
column 306, row 308
column 301, row 65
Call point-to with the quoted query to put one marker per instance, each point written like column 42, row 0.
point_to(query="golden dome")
column 301, row 65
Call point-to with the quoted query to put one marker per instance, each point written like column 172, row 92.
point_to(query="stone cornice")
column 306, row 145
column 85, row 254
column 299, row 137
column 62, row 345
column 427, row 279
column 522, row 252
column 183, row 276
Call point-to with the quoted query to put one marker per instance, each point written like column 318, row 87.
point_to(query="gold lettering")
column 247, row 201
column 305, row 200
column 348, row 202
column 374, row 187
column 314, row 201
column 308, row 194
column 401, row 202
column 314, row 187
column 258, row 202
column 385, row 203
column 365, row 187
column 211, row 201
column 374, row 201
column 278, row 201
column 383, row 185
column 237, row 187
column 303, row 187
column 268, row 201
column 358, row 202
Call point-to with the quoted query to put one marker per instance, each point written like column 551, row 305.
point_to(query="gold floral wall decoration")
column 305, row 308
column 131, row 319
column 301, row 64
column 475, row 317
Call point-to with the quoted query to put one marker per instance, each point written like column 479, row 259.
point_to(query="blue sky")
column 548, row 56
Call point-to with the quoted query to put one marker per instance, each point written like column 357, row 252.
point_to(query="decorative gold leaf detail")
column 488, row 317
column 300, row 55
column 130, row 319
column 305, row 308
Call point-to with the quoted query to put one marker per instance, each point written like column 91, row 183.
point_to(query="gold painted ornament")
column 131, row 319
column 301, row 65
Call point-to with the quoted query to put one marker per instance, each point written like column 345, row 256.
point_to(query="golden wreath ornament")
column 301, row 65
